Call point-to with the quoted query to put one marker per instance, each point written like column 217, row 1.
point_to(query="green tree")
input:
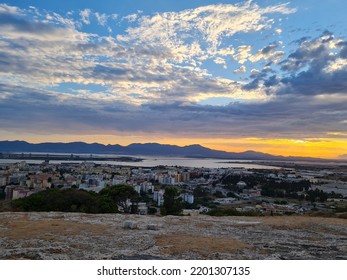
column 66, row 200
column 120, row 194
column 172, row 204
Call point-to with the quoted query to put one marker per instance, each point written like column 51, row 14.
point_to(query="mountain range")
column 148, row 149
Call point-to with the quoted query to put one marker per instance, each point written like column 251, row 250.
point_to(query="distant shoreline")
column 300, row 164
column 71, row 157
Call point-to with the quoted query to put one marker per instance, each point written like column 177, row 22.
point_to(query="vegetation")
column 2, row 193
column 202, row 196
column 285, row 189
column 74, row 200
column 316, row 195
column 66, row 200
column 172, row 204
column 231, row 212
column 121, row 195
column 251, row 180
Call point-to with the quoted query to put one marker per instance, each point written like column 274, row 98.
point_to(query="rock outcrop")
column 114, row 236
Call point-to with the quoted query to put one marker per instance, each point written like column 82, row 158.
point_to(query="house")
column 142, row 208
column 241, row 185
column 187, row 197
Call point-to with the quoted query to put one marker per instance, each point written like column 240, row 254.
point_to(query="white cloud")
column 219, row 60
column 242, row 69
column 242, row 54
column 163, row 62
column 85, row 16
column 224, row 52
column 101, row 18
column 205, row 25
column 6, row 9
column 64, row 21
column 131, row 18
column 336, row 65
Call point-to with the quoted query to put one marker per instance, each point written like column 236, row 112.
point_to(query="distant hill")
column 148, row 149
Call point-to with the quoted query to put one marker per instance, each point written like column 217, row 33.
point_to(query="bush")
column 152, row 210
column 231, row 212
column 66, row 200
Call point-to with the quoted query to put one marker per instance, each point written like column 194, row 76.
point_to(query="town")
column 214, row 191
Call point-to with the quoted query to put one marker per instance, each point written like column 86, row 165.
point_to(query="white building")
column 2, row 181
column 118, row 180
column 187, row 197
column 142, row 208
column 158, row 197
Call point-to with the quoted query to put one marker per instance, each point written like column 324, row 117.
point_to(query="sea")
column 149, row 161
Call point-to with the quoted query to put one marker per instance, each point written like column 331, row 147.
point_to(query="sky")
column 263, row 75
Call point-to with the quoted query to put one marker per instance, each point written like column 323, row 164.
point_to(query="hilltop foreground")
column 115, row 236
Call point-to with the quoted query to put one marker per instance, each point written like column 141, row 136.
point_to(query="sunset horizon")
column 238, row 148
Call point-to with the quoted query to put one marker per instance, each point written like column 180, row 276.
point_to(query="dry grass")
column 48, row 229
column 178, row 236
column 301, row 221
column 203, row 245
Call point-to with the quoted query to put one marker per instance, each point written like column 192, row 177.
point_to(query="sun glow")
column 311, row 147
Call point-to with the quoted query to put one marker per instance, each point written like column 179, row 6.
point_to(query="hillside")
column 147, row 149
column 103, row 236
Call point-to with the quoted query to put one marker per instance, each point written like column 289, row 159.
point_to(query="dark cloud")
column 22, row 25
column 306, row 70
column 109, row 73
column 272, row 81
column 301, row 40
column 316, row 57
column 254, row 84
column 284, row 116
column 343, row 51
column 315, row 82
column 259, row 78
column 269, row 49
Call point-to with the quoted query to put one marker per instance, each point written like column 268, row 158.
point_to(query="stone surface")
column 104, row 236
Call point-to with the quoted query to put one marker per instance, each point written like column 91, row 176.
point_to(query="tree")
column 120, row 194
column 2, row 193
column 66, row 200
column 172, row 205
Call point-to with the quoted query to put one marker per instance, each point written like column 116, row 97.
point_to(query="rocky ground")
column 115, row 236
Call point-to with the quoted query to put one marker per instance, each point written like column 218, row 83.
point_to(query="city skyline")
column 267, row 75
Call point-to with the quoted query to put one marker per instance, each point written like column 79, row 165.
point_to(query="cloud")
column 203, row 25
column 48, row 112
column 42, row 54
column 338, row 65
column 255, row 72
column 85, row 16
column 269, row 53
column 242, row 69
column 11, row 10
column 131, row 18
column 15, row 27
column 221, row 61
column 152, row 78
column 101, row 18
column 242, row 54
column 316, row 67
